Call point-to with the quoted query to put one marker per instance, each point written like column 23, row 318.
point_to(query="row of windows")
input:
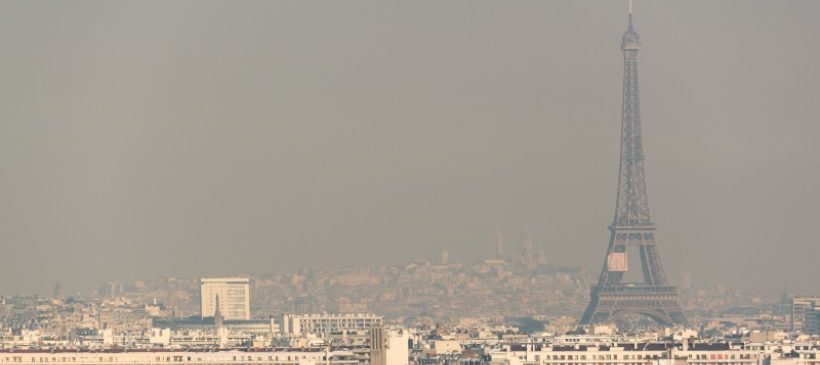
column 595, row 357
column 599, row 363
column 644, row 363
column 275, row 360
column 722, row 356
column 717, row 356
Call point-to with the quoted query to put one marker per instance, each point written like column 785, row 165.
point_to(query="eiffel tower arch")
column 632, row 225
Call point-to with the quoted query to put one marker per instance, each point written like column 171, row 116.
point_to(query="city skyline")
column 261, row 137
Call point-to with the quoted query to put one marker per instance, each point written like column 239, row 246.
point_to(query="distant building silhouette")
column 499, row 242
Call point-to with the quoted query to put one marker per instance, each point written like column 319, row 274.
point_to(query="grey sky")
column 189, row 138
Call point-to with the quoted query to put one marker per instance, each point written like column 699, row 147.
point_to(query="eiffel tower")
column 632, row 226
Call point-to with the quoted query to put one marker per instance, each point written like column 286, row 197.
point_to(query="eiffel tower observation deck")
column 632, row 226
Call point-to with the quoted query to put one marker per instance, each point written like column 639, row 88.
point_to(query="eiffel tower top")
column 632, row 206
column 630, row 38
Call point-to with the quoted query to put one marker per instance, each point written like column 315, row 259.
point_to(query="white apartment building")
column 636, row 353
column 233, row 294
column 308, row 356
column 389, row 346
column 295, row 325
column 398, row 352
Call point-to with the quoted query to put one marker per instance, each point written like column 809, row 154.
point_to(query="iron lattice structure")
column 632, row 225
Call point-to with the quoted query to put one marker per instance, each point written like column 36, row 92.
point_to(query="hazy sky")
column 140, row 139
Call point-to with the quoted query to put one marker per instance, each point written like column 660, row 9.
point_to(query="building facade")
column 811, row 320
column 800, row 306
column 704, row 353
column 309, row 356
column 232, row 294
column 389, row 346
column 321, row 324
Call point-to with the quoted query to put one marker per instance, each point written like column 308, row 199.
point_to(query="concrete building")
column 389, row 346
column 398, row 351
column 233, row 294
column 310, row 356
column 647, row 353
column 253, row 326
column 800, row 306
column 321, row 324
column 811, row 320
